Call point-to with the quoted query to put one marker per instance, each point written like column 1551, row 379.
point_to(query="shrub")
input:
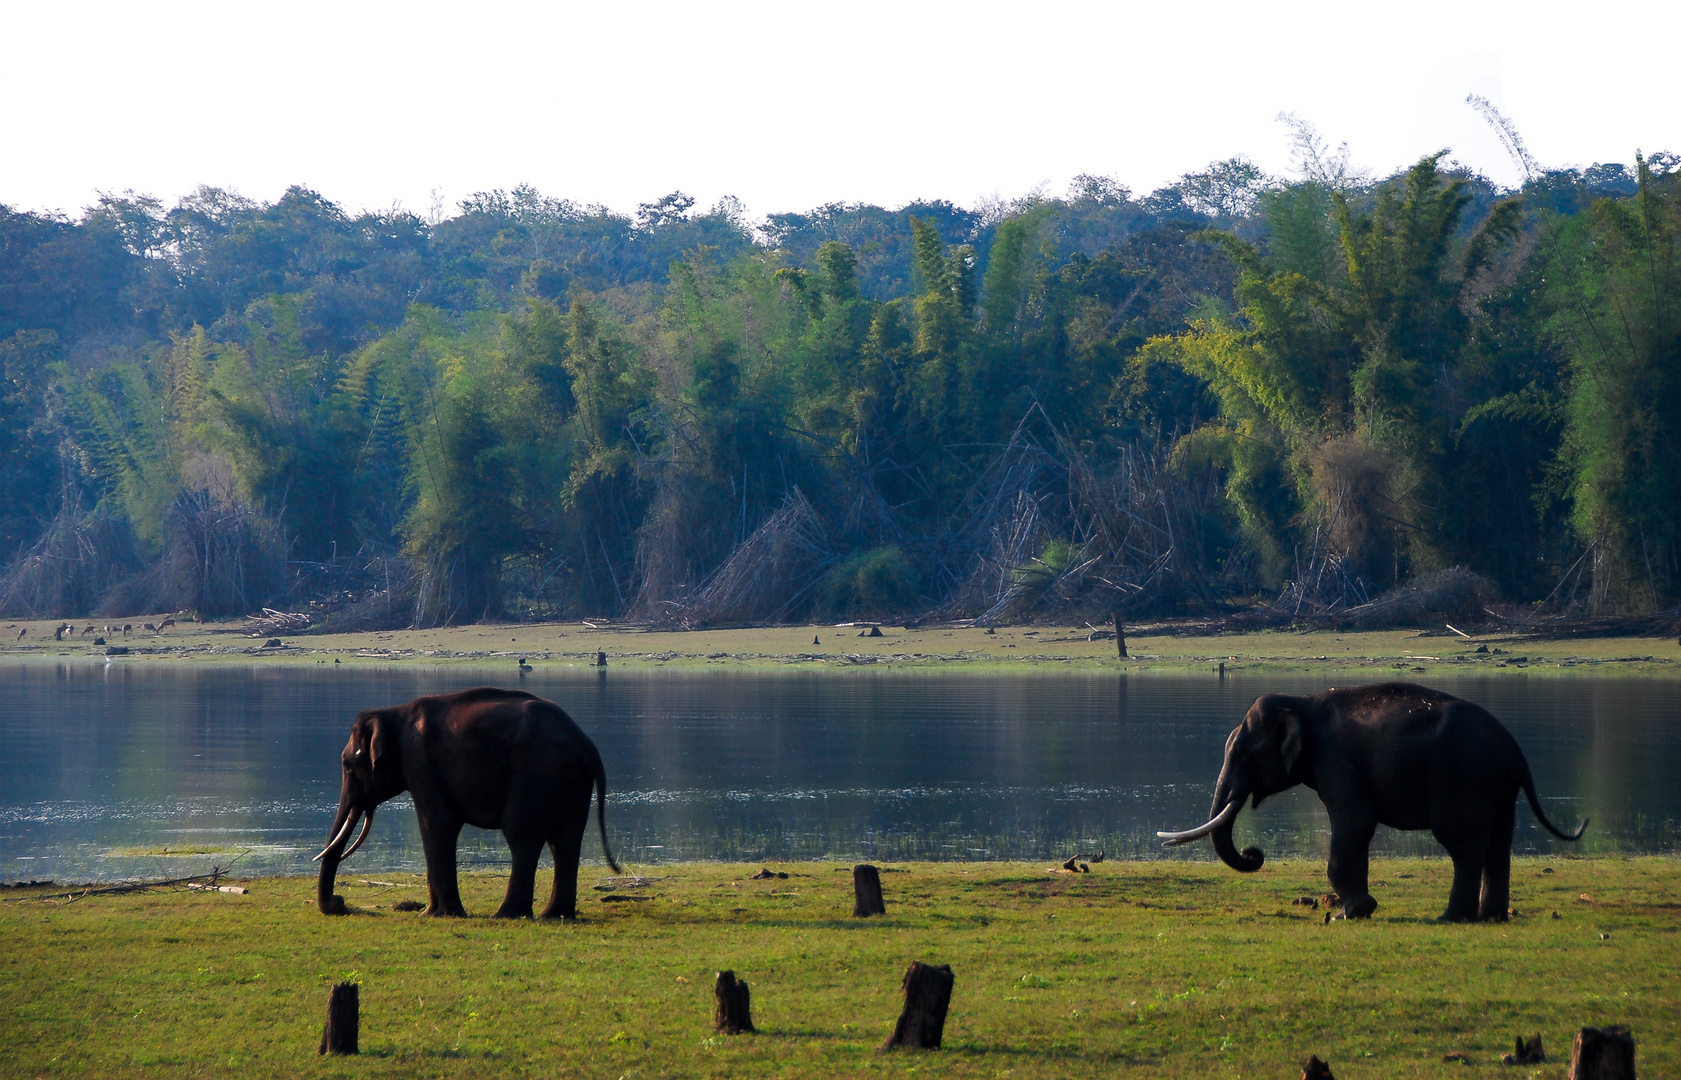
column 880, row 581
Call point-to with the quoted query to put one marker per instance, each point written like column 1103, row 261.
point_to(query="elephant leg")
column 1351, row 841
column 439, row 834
column 1467, row 846
column 565, row 846
column 522, row 881
column 1497, row 868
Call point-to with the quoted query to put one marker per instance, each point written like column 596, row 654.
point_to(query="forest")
column 1301, row 397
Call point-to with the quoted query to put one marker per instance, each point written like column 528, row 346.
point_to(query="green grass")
column 1136, row 969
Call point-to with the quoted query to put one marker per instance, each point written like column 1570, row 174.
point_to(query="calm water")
column 119, row 771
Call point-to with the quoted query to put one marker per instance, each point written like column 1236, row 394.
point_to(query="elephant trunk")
column 331, row 856
column 1228, row 797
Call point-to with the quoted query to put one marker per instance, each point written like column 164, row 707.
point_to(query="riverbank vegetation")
column 1154, row 968
column 1321, row 396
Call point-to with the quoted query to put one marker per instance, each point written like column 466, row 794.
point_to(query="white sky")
column 789, row 105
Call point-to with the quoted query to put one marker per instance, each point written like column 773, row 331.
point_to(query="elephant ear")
column 369, row 737
column 1289, row 734
column 377, row 742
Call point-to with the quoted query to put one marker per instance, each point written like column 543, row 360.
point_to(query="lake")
column 114, row 771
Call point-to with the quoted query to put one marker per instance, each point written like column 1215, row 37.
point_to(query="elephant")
column 1394, row 754
column 492, row 758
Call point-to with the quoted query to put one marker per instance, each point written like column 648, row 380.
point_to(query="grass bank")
column 1156, row 969
column 1371, row 655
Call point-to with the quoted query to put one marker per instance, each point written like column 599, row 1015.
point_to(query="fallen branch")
column 199, row 881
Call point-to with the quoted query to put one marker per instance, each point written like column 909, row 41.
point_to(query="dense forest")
column 1238, row 393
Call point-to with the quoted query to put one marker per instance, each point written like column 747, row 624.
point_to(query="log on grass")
column 927, row 997
column 1602, row 1054
column 735, row 1005
column 343, row 1020
column 866, row 891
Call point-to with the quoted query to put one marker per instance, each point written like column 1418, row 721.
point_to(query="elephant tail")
column 1535, row 805
column 601, row 813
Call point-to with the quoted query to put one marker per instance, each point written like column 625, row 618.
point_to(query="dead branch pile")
column 270, row 621
column 220, row 556
column 1044, row 532
column 1454, row 594
column 78, row 559
column 770, row 575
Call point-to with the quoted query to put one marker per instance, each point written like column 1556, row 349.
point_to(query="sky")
column 788, row 106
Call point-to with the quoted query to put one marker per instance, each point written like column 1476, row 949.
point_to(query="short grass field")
column 1147, row 969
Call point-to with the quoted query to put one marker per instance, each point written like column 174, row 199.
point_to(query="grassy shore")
column 1376, row 654
column 1148, row 969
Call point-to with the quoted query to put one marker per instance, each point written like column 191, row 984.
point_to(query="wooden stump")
column 927, row 997
column 1314, row 1069
column 735, row 1005
column 343, row 1020
column 1526, row 1053
column 1120, row 636
column 1602, row 1054
column 600, row 658
column 866, row 891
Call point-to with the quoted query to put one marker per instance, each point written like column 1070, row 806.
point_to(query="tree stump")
column 1120, row 636
column 1526, row 1053
column 1602, row 1054
column 343, row 1020
column 1314, row 1069
column 735, row 1005
column 600, row 658
column 927, row 997
column 866, row 891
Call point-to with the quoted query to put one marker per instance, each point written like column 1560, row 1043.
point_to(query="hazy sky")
column 790, row 105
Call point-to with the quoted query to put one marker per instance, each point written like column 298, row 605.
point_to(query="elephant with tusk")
column 1392, row 754
column 491, row 758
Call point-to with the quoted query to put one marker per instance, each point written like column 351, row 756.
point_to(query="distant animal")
column 126, row 628
column 166, row 622
column 150, row 627
column 22, row 632
column 490, row 758
column 88, row 630
column 1393, row 754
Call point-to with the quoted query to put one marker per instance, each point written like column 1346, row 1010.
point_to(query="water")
column 121, row 771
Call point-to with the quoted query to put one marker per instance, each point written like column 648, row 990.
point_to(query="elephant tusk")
column 344, row 830
column 1224, row 817
column 367, row 823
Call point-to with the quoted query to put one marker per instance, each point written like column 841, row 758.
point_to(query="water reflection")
column 110, row 771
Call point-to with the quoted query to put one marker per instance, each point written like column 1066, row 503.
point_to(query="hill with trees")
column 1238, row 391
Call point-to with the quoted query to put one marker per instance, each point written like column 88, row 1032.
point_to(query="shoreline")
column 1374, row 654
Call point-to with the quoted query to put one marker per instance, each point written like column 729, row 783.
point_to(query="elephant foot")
column 1359, row 907
column 509, row 913
column 333, row 906
column 565, row 916
column 1452, row 916
column 438, row 911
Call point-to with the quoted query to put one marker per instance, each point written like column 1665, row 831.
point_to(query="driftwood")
column 927, row 997
column 866, row 891
column 734, row 1014
column 197, row 881
column 343, row 1021
column 1602, row 1054
column 276, row 622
